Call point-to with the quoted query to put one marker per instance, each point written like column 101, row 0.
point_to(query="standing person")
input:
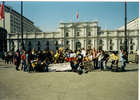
column 83, row 52
column 100, row 57
column 104, row 60
column 95, row 61
column 23, row 60
column 123, row 57
column 137, row 56
column 28, row 61
column 6, row 57
column 11, row 56
column 96, row 58
column 17, row 59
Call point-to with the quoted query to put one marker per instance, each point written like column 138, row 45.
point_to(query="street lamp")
column 126, row 31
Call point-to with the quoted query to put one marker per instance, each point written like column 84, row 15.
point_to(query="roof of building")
column 132, row 20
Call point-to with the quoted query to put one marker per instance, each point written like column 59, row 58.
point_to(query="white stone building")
column 133, row 24
column 12, row 20
column 76, row 35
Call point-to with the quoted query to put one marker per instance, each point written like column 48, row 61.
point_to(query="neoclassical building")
column 76, row 35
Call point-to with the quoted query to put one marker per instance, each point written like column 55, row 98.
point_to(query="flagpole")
column 4, row 16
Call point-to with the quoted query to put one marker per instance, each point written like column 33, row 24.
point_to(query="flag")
column 2, row 10
column 77, row 14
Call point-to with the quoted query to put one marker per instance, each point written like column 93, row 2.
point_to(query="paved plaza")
column 95, row 85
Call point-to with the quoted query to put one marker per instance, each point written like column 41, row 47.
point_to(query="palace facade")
column 76, row 35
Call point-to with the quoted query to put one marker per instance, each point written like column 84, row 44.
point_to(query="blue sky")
column 47, row 15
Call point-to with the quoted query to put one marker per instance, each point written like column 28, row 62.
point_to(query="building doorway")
column 78, row 46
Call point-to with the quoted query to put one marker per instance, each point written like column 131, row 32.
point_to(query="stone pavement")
column 95, row 85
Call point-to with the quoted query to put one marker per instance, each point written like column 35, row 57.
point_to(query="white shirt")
column 83, row 52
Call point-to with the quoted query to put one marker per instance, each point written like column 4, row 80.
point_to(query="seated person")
column 46, row 64
column 86, row 58
column 115, row 58
column 76, row 64
column 56, row 57
column 37, row 65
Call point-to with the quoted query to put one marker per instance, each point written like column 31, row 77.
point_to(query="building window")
column 111, row 48
column 110, row 41
column 56, row 48
column 30, row 49
column 100, row 48
column 101, row 41
column 47, row 43
column 121, row 41
column 67, row 34
column 89, row 42
column 38, row 43
column 120, row 47
column 30, row 43
column 56, row 43
column 48, row 48
column 78, row 34
column 131, row 41
column 38, row 48
column 131, row 47
column 89, row 33
column 67, row 42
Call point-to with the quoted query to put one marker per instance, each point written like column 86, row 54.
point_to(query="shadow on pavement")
column 6, row 67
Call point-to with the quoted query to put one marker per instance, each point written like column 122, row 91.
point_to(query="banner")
column 59, row 67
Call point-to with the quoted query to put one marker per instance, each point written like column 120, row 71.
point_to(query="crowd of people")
column 39, row 61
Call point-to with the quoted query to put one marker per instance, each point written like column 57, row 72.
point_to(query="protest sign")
column 59, row 67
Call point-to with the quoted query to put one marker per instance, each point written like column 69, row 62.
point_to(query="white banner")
column 59, row 67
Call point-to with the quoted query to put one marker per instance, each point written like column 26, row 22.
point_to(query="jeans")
column 95, row 61
column 46, row 68
column 123, row 63
column 100, row 64
column 104, row 65
column 24, row 65
column 28, row 67
column 76, row 66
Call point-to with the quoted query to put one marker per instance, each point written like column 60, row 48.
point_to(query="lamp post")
column 126, row 31
column 22, row 44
